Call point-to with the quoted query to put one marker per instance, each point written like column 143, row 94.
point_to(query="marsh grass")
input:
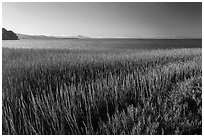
column 101, row 91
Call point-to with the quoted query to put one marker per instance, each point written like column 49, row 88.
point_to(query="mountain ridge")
column 8, row 35
column 27, row 36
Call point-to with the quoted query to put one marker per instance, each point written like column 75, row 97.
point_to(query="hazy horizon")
column 105, row 20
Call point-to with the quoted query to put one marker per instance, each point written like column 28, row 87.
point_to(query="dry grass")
column 102, row 91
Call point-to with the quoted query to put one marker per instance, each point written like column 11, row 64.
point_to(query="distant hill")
column 25, row 36
column 77, row 37
column 8, row 35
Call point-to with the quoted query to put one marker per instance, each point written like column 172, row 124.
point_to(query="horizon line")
column 116, row 37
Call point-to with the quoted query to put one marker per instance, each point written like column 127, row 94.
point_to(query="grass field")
column 47, row 91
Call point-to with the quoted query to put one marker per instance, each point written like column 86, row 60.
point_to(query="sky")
column 138, row 20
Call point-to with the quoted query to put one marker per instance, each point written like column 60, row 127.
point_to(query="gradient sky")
column 105, row 19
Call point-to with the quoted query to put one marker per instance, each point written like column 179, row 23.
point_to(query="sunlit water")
column 101, row 43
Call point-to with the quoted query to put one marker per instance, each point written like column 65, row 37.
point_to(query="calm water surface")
column 101, row 43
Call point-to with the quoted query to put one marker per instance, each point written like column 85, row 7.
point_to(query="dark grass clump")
column 101, row 92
